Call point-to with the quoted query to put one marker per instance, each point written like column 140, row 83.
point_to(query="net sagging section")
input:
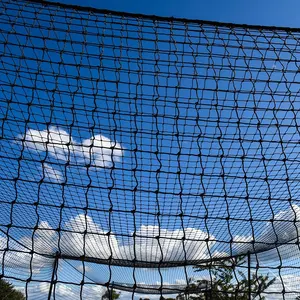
column 134, row 148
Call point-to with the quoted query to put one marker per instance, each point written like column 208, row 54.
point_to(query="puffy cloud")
column 72, row 292
column 44, row 287
column 155, row 244
column 17, row 255
column 101, row 150
column 283, row 226
column 56, row 141
column 283, row 229
column 97, row 243
column 242, row 244
column 93, row 292
column 86, row 268
column 97, row 150
column 181, row 281
column 169, row 247
column 52, row 174
column 61, row 289
column 242, row 239
column 44, row 240
column 288, row 283
column 151, row 243
column 218, row 254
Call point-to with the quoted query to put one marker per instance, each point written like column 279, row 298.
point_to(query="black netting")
column 135, row 148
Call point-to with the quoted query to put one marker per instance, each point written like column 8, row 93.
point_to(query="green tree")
column 227, row 282
column 7, row 291
column 111, row 294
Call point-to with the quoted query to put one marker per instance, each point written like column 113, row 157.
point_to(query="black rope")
column 147, row 154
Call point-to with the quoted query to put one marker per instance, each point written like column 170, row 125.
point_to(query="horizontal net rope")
column 143, row 154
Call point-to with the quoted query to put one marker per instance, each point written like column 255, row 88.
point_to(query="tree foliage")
column 7, row 291
column 111, row 294
column 227, row 282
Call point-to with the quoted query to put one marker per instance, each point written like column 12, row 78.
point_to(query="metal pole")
column 249, row 277
column 54, row 272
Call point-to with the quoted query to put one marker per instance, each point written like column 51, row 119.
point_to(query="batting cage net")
column 146, row 158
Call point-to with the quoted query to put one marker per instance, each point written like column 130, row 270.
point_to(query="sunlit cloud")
column 98, row 150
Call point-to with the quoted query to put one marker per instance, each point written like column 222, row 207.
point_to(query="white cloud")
column 169, row 246
column 283, row 225
column 288, row 282
column 18, row 256
column 61, row 289
column 70, row 292
column 181, row 281
column 86, row 268
column 55, row 141
column 128, row 296
column 93, row 292
column 44, row 240
column 44, row 287
column 282, row 230
column 242, row 239
column 147, row 247
column 94, row 244
column 242, row 244
column 98, row 150
column 218, row 254
column 52, row 174
column 101, row 150
column 97, row 244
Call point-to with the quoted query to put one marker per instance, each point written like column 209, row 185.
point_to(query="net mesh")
column 134, row 148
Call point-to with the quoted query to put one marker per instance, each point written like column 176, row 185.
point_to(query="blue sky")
column 268, row 12
column 65, row 149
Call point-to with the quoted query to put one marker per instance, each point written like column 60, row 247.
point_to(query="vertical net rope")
column 133, row 148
